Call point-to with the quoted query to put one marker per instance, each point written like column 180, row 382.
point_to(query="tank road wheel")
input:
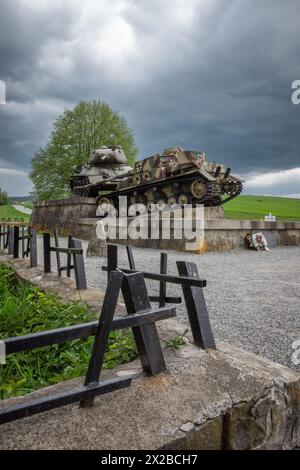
column 76, row 190
column 160, row 204
column 199, row 189
column 149, row 205
column 81, row 191
column 146, row 176
column 136, row 179
column 182, row 199
column 86, row 192
column 172, row 201
column 104, row 200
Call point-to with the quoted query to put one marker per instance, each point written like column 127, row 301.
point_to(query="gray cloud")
column 208, row 75
column 274, row 183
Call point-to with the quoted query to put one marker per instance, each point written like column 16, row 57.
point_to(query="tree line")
column 3, row 198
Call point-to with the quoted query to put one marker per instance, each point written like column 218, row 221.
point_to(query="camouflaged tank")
column 176, row 177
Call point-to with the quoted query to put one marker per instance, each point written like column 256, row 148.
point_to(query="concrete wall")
column 219, row 235
column 63, row 214
column 76, row 216
column 225, row 235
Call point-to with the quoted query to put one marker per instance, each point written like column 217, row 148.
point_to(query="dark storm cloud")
column 206, row 75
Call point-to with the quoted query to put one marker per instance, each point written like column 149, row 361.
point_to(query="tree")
column 77, row 132
column 3, row 198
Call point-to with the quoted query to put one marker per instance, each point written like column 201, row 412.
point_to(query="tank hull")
column 175, row 177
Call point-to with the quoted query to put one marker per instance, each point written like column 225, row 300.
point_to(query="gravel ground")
column 253, row 298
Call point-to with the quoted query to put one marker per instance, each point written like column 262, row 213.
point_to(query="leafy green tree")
column 77, row 132
column 3, row 198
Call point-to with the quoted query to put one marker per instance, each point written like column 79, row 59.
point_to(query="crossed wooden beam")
column 74, row 249
column 141, row 318
column 14, row 232
column 192, row 288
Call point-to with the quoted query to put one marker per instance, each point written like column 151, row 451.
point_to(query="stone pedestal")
column 77, row 217
column 63, row 214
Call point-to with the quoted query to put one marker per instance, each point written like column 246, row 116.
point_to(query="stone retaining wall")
column 63, row 214
column 76, row 216
column 219, row 235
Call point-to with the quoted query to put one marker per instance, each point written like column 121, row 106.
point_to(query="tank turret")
column 104, row 163
column 105, row 155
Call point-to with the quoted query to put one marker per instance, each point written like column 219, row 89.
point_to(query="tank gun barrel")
column 108, row 184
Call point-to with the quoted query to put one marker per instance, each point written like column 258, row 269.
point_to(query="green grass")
column 25, row 309
column 28, row 204
column 255, row 207
column 9, row 212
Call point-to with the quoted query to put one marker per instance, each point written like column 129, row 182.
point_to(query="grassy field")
column 255, row 207
column 9, row 212
column 242, row 207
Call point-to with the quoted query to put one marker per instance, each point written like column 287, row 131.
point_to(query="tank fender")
column 206, row 175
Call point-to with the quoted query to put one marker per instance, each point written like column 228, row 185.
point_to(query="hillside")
column 9, row 212
column 255, row 207
column 242, row 207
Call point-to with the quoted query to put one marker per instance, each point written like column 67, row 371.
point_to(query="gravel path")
column 253, row 297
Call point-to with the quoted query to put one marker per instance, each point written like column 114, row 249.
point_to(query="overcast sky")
column 210, row 75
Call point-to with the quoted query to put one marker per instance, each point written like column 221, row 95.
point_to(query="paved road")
column 24, row 210
column 253, row 297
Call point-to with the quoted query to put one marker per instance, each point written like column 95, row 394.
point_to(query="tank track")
column 235, row 191
column 80, row 186
column 211, row 198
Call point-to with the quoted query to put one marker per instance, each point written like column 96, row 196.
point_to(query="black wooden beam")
column 130, row 257
column 57, row 252
column 146, row 336
column 33, row 249
column 140, row 319
column 10, row 240
column 166, row 277
column 196, row 307
column 78, row 262
column 22, row 240
column 47, row 403
column 83, row 330
column 69, row 265
column 102, row 333
column 163, row 284
column 16, row 241
column 112, row 258
column 47, row 253
column 6, row 243
column 168, row 300
column 66, row 250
